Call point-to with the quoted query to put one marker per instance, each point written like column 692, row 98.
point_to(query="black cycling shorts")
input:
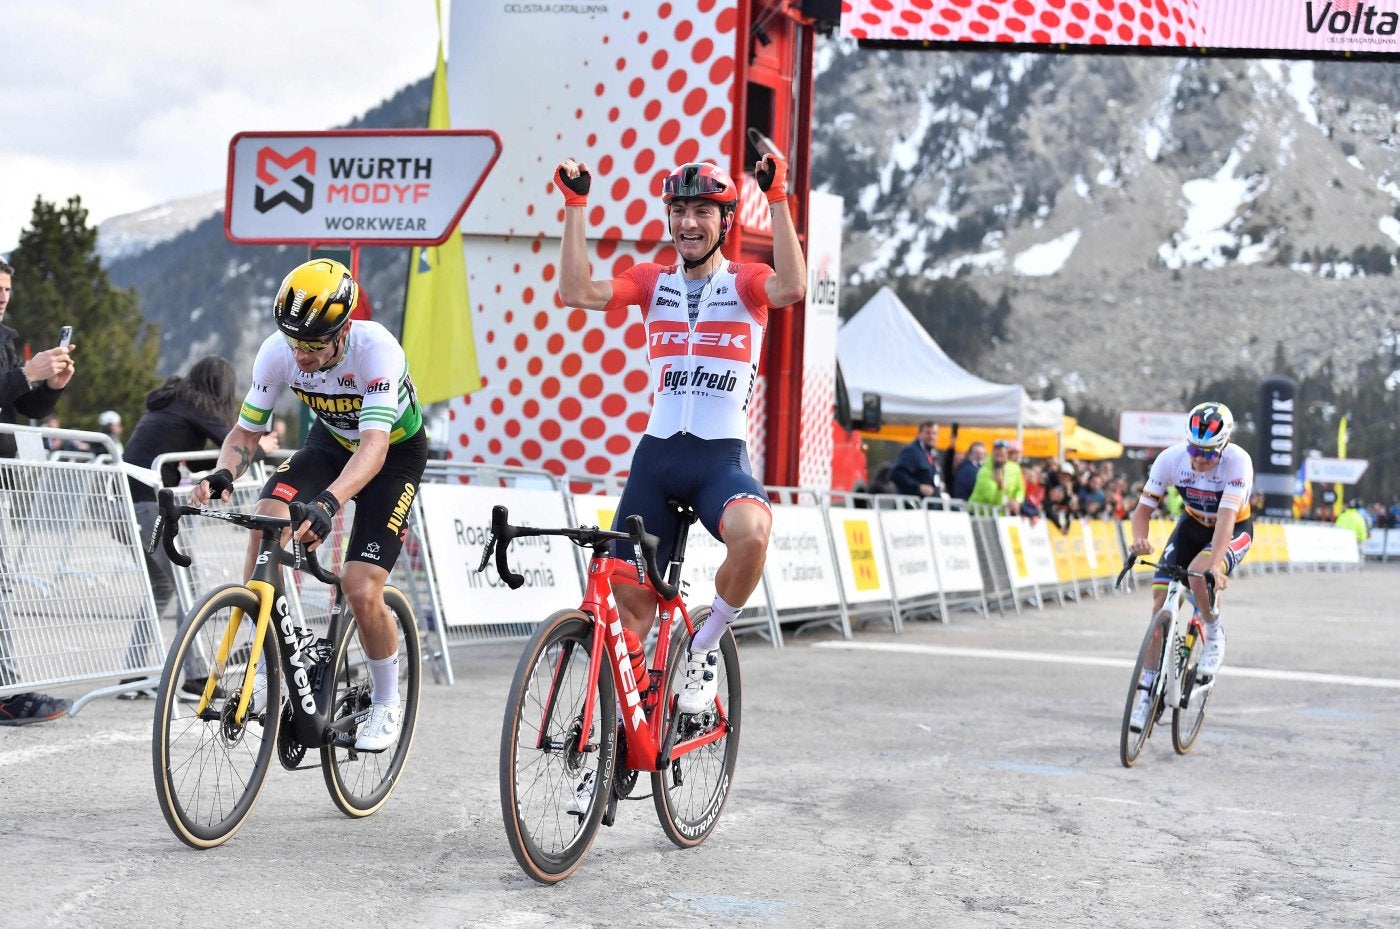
column 707, row 474
column 381, row 506
column 1191, row 537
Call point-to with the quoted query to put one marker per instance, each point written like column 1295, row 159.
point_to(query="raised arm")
column 789, row 281
column 576, row 286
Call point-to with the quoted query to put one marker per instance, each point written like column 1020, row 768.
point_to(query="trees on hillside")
column 59, row 281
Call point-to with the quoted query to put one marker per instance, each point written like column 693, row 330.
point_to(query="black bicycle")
column 216, row 731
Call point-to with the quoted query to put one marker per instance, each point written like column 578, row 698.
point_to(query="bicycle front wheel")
column 1150, row 655
column 208, row 766
column 690, row 792
column 361, row 782
column 556, row 777
column 1188, row 718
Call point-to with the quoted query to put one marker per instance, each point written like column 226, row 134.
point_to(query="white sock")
column 1212, row 629
column 721, row 615
column 385, row 674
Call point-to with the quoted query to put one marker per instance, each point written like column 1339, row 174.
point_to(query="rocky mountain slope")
column 1153, row 222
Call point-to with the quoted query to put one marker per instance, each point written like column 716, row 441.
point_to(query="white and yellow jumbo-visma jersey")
column 368, row 390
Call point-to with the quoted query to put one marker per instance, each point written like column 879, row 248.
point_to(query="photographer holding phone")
column 28, row 389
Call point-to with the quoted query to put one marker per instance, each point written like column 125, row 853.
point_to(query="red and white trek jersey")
column 1227, row 486
column 702, row 376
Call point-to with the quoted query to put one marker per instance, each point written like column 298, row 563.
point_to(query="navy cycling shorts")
column 707, row 474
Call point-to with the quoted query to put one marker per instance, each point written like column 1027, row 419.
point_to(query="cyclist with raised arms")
column 704, row 321
column 367, row 444
column 1214, row 479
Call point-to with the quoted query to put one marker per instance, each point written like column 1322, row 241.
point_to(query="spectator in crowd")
column 1354, row 520
column 1059, row 506
column 109, row 423
column 1031, row 506
column 999, row 480
column 184, row 414
column 55, row 444
column 1092, row 500
column 1381, row 517
column 965, row 477
column 915, row 471
column 28, row 389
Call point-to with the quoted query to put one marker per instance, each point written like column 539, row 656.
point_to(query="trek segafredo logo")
column 730, row 341
column 1347, row 17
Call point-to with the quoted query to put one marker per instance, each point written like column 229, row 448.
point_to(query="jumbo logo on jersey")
column 728, row 340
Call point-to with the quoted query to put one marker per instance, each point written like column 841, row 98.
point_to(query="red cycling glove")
column 574, row 189
column 772, row 177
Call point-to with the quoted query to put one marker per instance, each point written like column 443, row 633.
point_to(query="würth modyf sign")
column 367, row 187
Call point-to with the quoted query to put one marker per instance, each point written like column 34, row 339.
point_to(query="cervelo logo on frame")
column 269, row 156
column 728, row 340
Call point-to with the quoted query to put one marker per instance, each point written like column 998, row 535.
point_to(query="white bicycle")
column 1170, row 651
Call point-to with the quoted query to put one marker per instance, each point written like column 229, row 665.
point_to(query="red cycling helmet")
column 699, row 180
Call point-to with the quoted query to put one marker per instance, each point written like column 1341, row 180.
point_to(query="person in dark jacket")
column 965, row 478
column 916, row 471
column 182, row 415
column 28, row 389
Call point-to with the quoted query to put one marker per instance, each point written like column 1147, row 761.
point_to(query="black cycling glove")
column 220, row 483
column 321, row 512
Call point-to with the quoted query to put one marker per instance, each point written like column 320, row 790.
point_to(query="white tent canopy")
column 884, row 350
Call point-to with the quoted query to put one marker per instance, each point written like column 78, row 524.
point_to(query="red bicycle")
column 566, row 757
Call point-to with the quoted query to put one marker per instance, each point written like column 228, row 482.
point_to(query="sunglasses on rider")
column 690, row 183
column 1205, row 454
column 305, row 346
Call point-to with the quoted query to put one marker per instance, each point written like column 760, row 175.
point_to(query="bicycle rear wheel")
column 691, row 791
column 1150, row 655
column 1188, row 720
column 208, row 767
column 361, row 782
column 553, row 795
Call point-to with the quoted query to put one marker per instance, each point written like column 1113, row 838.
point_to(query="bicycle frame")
column 304, row 665
column 647, row 747
column 1178, row 602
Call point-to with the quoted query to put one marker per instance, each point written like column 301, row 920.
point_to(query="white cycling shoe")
column 1213, row 656
column 702, row 682
column 381, row 729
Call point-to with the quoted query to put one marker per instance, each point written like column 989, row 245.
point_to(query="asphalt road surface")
column 957, row 775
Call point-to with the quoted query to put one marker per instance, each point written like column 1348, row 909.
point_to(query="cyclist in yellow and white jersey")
column 367, row 444
column 1214, row 479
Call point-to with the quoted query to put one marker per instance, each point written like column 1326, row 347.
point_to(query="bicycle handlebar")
column 167, row 527
column 1175, row 572
column 502, row 533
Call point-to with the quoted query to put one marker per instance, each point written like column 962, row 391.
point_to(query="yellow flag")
column 437, row 321
column 1341, row 453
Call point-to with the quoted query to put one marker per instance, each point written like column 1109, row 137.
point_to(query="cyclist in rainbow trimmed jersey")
column 1214, row 479
column 367, row 444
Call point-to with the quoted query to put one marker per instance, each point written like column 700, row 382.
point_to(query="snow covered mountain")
column 1153, row 222
column 133, row 233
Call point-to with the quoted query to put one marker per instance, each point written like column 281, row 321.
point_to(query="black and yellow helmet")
column 315, row 300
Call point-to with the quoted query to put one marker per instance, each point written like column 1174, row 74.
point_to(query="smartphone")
column 65, row 336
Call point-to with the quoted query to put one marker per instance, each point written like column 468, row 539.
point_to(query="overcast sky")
column 129, row 103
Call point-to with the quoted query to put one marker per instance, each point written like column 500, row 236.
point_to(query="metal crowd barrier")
column 75, row 602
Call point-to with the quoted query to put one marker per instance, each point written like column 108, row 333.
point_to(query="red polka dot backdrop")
column 1080, row 22
column 631, row 93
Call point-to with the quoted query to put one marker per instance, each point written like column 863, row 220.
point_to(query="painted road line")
column 948, row 651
